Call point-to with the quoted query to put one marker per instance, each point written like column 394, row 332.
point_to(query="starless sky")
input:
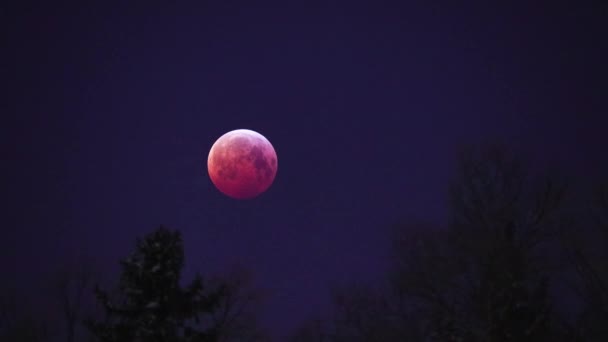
column 109, row 112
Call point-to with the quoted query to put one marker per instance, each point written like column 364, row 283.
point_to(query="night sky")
column 109, row 112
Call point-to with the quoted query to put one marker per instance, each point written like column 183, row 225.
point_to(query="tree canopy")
column 150, row 305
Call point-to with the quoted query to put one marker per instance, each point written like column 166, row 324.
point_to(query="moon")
column 242, row 164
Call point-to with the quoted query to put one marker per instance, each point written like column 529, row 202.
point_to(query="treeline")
column 524, row 257
column 149, row 302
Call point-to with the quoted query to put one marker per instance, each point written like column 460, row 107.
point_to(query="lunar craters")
column 242, row 164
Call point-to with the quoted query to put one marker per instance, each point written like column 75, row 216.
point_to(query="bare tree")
column 73, row 288
column 483, row 277
column 17, row 323
column 312, row 330
column 365, row 313
column 389, row 310
column 360, row 313
column 426, row 278
column 494, row 194
column 502, row 218
column 8, row 310
column 236, row 313
column 587, row 246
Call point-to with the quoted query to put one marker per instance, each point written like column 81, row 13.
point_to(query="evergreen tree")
column 151, row 305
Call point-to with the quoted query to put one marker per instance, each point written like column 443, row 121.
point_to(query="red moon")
column 242, row 164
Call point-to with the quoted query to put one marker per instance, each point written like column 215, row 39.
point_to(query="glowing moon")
column 242, row 164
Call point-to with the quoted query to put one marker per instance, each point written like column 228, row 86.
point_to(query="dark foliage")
column 587, row 248
column 151, row 305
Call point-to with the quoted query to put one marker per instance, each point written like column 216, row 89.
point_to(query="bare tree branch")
column 235, row 316
column 72, row 285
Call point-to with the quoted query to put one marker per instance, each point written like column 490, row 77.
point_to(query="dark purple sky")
column 110, row 111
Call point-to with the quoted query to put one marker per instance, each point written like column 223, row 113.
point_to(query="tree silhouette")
column 151, row 305
column 364, row 313
column 71, row 286
column 587, row 247
column 501, row 217
column 16, row 321
column 312, row 330
column 483, row 277
column 235, row 316
column 426, row 280
column 361, row 313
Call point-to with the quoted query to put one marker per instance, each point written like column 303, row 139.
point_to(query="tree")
column 311, row 330
column 483, row 277
column 235, row 315
column 501, row 217
column 361, row 313
column 587, row 247
column 72, row 284
column 150, row 305
column 16, row 321
column 425, row 280
column 365, row 313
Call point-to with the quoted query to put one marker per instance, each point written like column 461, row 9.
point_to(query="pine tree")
column 151, row 305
